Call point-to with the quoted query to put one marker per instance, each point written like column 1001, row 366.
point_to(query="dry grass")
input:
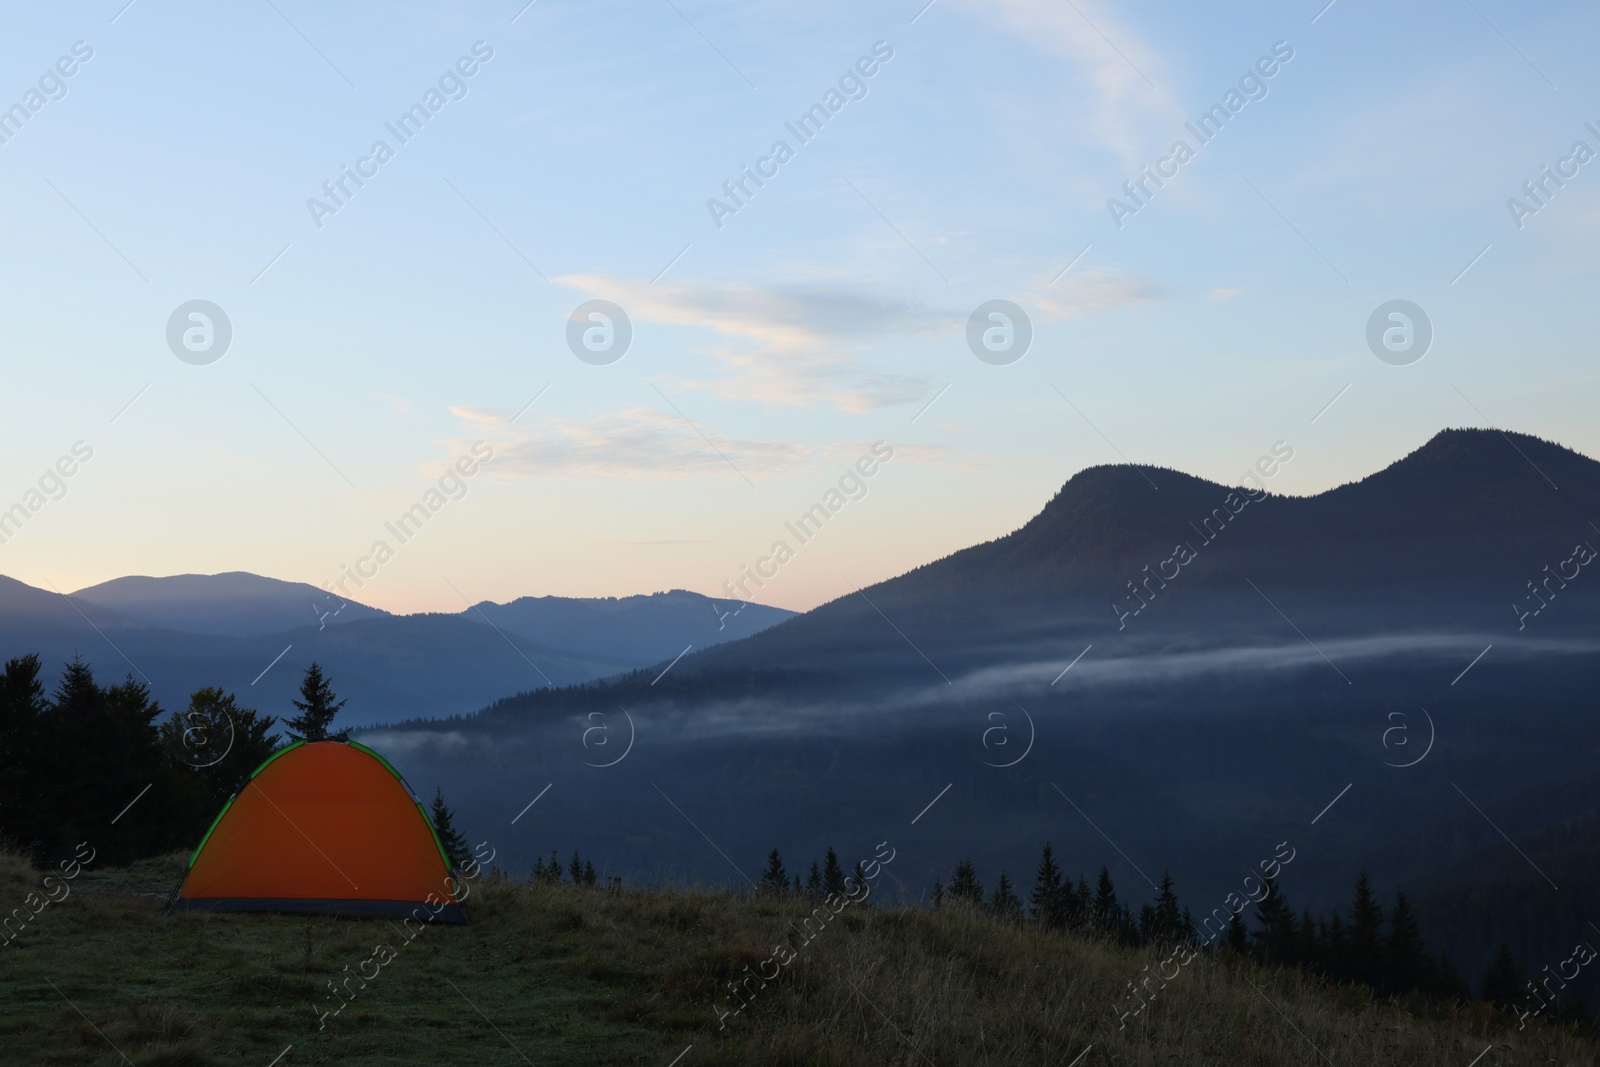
column 571, row 975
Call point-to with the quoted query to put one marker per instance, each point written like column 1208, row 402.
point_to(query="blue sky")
column 770, row 352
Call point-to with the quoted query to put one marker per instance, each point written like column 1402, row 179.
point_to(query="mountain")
column 1395, row 675
column 256, row 635
column 637, row 629
column 236, row 603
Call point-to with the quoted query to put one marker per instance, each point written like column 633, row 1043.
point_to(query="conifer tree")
column 575, row 869
column 444, row 824
column 1005, row 904
column 814, row 882
column 1275, row 940
column 1147, row 932
column 1308, row 948
column 1505, row 985
column 1238, row 935
column 832, row 874
column 1336, row 948
column 22, row 723
column 1106, row 913
column 588, row 873
column 1078, row 905
column 317, row 710
column 219, row 742
column 1365, row 950
column 1406, row 966
column 1169, row 925
column 775, row 880
column 1048, row 900
column 964, row 884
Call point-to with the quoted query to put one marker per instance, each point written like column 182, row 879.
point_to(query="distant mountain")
column 236, row 603
column 256, row 635
column 638, row 629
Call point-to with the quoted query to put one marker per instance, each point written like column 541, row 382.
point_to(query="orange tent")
column 323, row 827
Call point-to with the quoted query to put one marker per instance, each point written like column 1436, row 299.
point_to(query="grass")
column 560, row 974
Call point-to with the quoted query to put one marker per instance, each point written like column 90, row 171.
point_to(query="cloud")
column 643, row 443
column 939, row 456
column 1086, row 292
column 1115, row 63
column 1217, row 296
column 637, row 443
column 784, row 344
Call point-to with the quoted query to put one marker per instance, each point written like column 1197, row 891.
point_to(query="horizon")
column 757, row 600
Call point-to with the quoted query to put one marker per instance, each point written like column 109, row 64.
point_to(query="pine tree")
column 937, row 895
column 1106, row 910
column 575, row 869
column 588, row 873
column 775, row 880
column 1308, row 949
column 1447, row 981
column 454, row 842
column 858, row 878
column 1365, row 950
column 317, row 710
column 1168, row 926
column 814, row 882
column 1147, row 932
column 1275, row 940
column 1505, row 985
column 798, row 888
column 22, row 721
column 1238, row 935
column 1406, row 966
column 832, row 875
column 1336, row 948
column 218, row 741
column 1048, row 900
column 552, row 870
column 1078, row 902
column 538, row 875
column 964, row 884
column 1005, row 904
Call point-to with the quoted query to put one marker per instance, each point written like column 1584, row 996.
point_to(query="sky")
column 783, row 338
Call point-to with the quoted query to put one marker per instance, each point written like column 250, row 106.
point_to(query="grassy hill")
column 563, row 974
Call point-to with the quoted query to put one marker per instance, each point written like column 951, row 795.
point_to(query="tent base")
column 453, row 914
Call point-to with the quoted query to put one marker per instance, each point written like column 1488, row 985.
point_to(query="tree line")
column 1365, row 944
column 106, row 764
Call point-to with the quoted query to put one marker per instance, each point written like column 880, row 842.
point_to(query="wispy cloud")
column 784, row 344
column 1120, row 69
column 637, row 443
column 1086, row 292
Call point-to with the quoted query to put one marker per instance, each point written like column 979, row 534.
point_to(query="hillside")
column 1287, row 665
column 569, row 975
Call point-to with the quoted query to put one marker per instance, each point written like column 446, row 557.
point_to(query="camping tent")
column 323, row 827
